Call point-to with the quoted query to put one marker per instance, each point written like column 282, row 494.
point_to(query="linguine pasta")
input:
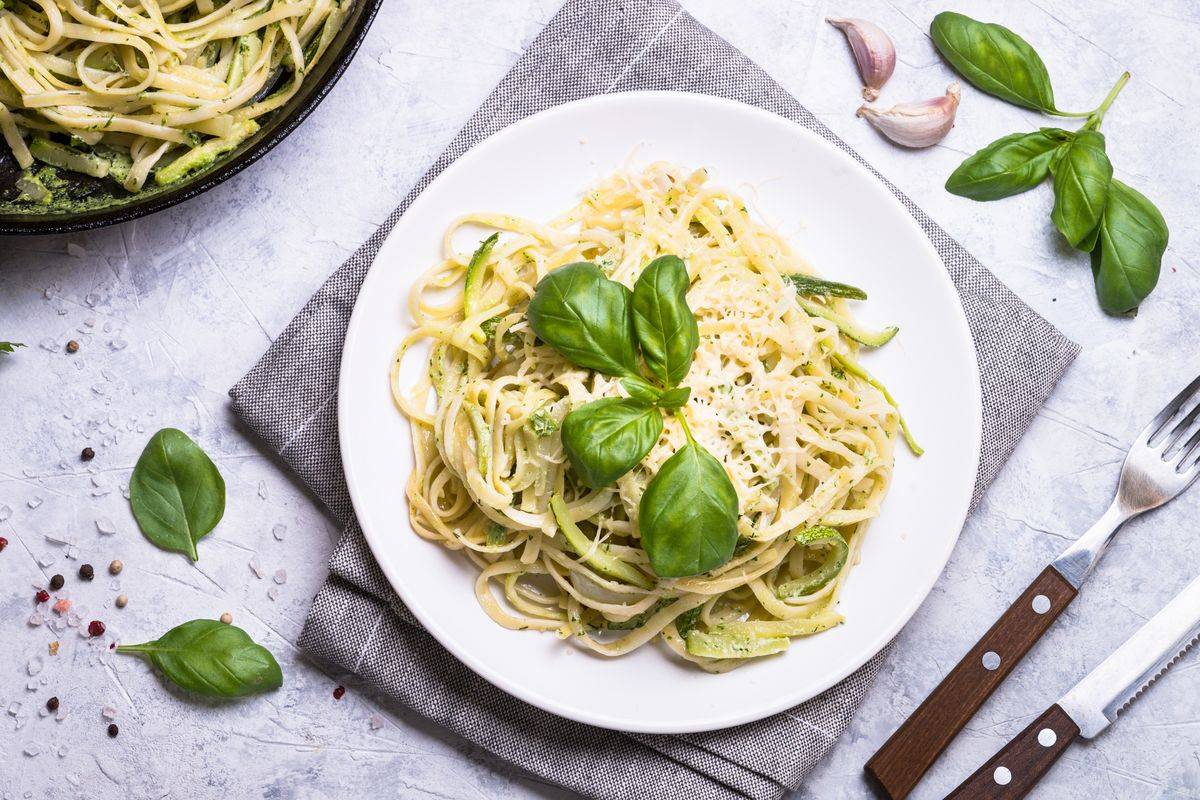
column 127, row 88
column 804, row 434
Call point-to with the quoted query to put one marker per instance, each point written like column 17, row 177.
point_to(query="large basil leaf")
column 1010, row 165
column 1081, row 180
column 608, row 437
column 1128, row 254
column 586, row 317
column 211, row 658
column 993, row 59
column 688, row 514
column 665, row 326
column 176, row 492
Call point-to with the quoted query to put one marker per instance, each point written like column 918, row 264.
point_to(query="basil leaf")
column 586, row 317
column 608, row 437
column 665, row 326
column 993, row 59
column 1128, row 254
column 641, row 390
column 1081, row 180
column 1010, row 165
column 211, row 658
column 688, row 514
column 176, row 492
column 674, row 398
column 8, row 347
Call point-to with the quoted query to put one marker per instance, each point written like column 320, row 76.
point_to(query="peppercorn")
column 41, row 596
column 227, row 618
column 115, row 567
column 338, row 692
column 56, row 583
column 72, row 346
column 3, row 543
column 88, row 454
column 122, row 601
column 86, row 572
column 52, row 704
column 95, row 628
column 113, row 730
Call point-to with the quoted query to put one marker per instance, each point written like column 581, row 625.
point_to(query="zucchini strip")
column 599, row 558
column 475, row 273
column 838, row 551
column 734, row 645
column 817, row 287
column 854, row 330
column 854, row 369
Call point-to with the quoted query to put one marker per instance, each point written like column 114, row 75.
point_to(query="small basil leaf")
column 674, row 398
column 1128, row 254
column 666, row 327
column 1081, row 180
column 688, row 514
column 211, row 658
column 641, row 390
column 586, row 317
column 176, row 493
column 1010, row 165
column 8, row 347
column 993, row 59
column 608, row 437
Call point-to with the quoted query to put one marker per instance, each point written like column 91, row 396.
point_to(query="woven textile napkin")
column 358, row 624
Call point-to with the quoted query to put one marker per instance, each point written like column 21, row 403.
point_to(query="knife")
column 1092, row 705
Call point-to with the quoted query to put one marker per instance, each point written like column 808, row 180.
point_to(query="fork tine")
column 1159, row 422
column 1181, row 428
column 1186, row 461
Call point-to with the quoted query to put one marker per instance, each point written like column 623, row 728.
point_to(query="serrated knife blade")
column 1096, row 700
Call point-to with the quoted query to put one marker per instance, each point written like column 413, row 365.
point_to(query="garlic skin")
column 873, row 50
column 916, row 124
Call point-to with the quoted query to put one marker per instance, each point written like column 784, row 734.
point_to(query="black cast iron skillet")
column 108, row 204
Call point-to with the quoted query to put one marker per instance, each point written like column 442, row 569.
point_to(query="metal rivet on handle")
column 1041, row 604
column 991, row 660
column 1047, row 737
column 1002, row 776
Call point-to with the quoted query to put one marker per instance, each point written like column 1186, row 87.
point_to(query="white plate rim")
column 784, row 701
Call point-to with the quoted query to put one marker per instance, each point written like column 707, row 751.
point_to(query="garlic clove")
column 916, row 124
column 873, row 52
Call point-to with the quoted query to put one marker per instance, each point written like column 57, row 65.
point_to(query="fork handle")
column 910, row 752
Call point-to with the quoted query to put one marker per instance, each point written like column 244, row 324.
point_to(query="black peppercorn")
column 88, row 454
column 86, row 572
column 72, row 346
column 56, row 583
column 113, row 730
column 52, row 704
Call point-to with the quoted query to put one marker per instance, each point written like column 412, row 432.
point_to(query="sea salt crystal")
column 62, row 713
column 273, row 593
column 31, row 686
column 262, row 489
column 43, row 711
column 34, row 501
column 108, row 712
column 92, row 299
column 118, row 344
column 255, row 568
column 376, row 722
column 280, row 576
column 62, row 753
column 74, row 620
column 279, row 531
column 53, row 538
column 34, row 665
column 45, row 561
column 72, row 552
column 5, row 512
column 33, row 750
column 36, row 619
column 14, row 709
column 105, row 526
column 50, row 345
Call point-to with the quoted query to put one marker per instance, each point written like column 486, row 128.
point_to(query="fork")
column 1162, row 462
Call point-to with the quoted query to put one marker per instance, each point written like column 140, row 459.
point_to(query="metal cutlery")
column 1092, row 705
column 1161, row 463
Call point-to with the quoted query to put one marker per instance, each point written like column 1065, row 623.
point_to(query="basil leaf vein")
column 176, row 493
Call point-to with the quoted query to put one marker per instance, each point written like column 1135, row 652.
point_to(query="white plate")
column 847, row 225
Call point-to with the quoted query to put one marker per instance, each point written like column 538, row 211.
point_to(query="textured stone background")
column 171, row 310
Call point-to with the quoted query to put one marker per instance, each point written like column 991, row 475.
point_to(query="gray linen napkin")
column 357, row 622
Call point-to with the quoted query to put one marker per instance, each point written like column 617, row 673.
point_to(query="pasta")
column 804, row 433
column 124, row 90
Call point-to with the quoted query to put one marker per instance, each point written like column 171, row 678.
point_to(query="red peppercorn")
column 95, row 628
column 41, row 596
column 338, row 692
column 3, row 543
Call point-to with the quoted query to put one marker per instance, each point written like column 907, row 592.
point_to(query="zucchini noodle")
column 126, row 89
column 807, row 442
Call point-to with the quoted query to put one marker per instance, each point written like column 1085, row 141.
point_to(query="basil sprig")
column 1125, row 234
column 689, row 511
column 208, row 657
column 176, row 493
column 9, row 347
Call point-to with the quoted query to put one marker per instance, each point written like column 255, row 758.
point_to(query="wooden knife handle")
column 1021, row 763
column 910, row 752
